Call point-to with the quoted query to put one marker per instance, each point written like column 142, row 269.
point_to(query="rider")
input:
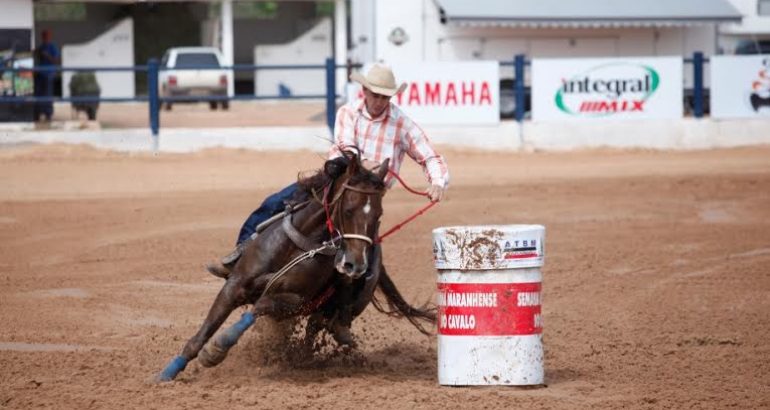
column 380, row 130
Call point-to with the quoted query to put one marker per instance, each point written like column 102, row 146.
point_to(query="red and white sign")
column 489, row 309
column 446, row 93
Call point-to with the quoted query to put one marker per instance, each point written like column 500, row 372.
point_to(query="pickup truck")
column 184, row 73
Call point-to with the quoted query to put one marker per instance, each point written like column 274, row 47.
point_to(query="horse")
column 324, row 247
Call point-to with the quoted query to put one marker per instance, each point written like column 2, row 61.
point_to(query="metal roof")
column 586, row 13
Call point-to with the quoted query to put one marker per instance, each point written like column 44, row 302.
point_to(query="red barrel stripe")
column 489, row 309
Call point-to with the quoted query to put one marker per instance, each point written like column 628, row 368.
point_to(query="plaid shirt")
column 391, row 135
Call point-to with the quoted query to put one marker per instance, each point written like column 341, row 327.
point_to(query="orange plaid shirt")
column 391, row 135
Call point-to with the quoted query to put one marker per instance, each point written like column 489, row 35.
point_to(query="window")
column 196, row 60
column 763, row 7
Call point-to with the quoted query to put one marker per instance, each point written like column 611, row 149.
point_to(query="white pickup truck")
column 181, row 75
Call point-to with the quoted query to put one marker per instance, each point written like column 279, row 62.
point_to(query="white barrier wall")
column 448, row 93
column 607, row 88
column 740, row 86
column 114, row 48
column 313, row 47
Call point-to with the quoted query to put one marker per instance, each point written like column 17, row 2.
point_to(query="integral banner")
column 740, row 86
column 446, row 93
column 607, row 88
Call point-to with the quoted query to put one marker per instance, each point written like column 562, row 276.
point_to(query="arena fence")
column 697, row 95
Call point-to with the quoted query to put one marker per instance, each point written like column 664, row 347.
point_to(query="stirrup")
column 233, row 256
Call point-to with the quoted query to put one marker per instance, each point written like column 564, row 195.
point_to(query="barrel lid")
column 485, row 247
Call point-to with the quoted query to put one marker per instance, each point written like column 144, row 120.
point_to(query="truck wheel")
column 225, row 105
column 213, row 105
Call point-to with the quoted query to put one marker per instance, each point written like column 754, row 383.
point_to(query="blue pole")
column 331, row 93
column 152, row 94
column 518, row 86
column 697, row 63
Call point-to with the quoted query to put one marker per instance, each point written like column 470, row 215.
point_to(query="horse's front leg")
column 234, row 293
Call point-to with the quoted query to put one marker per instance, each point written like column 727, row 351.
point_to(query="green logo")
column 608, row 89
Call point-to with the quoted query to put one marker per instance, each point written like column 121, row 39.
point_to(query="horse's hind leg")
column 234, row 293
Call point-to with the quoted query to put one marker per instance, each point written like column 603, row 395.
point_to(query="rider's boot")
column 224, row 267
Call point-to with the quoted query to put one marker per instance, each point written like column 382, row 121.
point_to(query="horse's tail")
column 398, row 307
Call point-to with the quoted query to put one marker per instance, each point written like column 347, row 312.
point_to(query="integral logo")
column 608, row 89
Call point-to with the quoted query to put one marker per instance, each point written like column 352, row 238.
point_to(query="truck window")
column 196, row 60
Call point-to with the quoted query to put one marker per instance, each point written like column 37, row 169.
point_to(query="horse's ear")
column 383, row 171
column 354, row 165
column 335, row 167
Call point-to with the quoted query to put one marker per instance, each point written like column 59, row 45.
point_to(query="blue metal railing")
column 155, row 99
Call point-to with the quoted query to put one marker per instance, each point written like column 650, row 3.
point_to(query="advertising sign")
column 740, row 86
column 607, row 88
column 446, row 93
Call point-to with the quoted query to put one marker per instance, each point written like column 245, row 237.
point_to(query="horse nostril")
column 348, row 267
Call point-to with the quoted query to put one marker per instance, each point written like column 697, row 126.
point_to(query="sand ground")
column 656, row 284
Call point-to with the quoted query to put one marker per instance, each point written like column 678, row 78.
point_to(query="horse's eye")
column 349, row 213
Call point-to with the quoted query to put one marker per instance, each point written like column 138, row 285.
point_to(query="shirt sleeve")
column 344, row 135
column 418, row 147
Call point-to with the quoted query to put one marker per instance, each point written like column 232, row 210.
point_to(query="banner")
column 446, row 93
column 740, row 86
column 607, row 88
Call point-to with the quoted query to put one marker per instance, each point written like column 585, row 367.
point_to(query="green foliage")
column 60, row 11
column 84, row 83
column 263, row 10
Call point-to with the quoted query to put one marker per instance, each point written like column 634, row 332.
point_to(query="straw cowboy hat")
column 379, row 80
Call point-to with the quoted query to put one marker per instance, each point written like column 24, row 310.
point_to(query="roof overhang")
column 586, row 13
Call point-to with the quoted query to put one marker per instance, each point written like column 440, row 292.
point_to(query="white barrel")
column 490, row 329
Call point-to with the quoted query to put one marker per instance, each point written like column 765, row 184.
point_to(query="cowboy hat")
column 379, row 80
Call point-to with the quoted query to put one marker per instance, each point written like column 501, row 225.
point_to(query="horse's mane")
column 335, row 168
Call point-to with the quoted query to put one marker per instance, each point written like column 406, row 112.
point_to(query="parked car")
column 184, row 72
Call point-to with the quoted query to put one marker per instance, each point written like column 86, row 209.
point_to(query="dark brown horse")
column 300, row 266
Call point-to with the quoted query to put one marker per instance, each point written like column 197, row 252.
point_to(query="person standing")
column 47, row 56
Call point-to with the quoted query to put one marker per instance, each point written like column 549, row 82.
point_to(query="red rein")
column 411, row 217
column 330, row 224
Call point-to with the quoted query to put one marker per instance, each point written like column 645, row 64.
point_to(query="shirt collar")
column 361, row 107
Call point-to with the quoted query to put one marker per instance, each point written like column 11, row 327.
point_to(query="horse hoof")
column 212, row 355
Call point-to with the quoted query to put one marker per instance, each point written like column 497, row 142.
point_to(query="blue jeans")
column 272, row 205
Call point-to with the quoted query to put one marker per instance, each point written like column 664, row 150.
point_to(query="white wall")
column 114, row 48
column 313, row 47
column 752, row 23
column 16, row 14
column 430, row 40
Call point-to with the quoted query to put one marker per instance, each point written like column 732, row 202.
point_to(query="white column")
column 340, row 42
column 227, row 41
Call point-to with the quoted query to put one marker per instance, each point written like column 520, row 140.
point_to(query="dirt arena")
column 656, row 284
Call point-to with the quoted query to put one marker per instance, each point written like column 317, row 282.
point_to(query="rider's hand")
column 435, row 192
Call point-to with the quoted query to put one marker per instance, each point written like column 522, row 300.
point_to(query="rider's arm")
column 418, row 147
column 344, row 133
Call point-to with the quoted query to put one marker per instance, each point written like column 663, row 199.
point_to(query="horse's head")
column 357, row 215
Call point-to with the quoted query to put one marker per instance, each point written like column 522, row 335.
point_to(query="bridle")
column 332, row 207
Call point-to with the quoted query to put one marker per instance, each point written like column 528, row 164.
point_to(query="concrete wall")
column 113, row 48
column 685, row 134
column 313, row 47
column 16, row 14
